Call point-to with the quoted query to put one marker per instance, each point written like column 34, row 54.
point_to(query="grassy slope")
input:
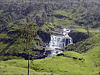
column 94, row 55
column 61, row 65
column 67, row 65
column 17, row 67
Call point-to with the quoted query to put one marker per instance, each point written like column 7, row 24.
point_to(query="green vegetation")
column 81, row 16
column 85, row 45
column 17, row 67
column 57, row 64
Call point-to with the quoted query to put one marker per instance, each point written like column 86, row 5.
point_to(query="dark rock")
column 61, row 54
column 80, row 58
column 42, row 69
column 74, row 57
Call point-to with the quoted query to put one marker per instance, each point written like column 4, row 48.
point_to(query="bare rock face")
column 78, row 36
column 45, row 36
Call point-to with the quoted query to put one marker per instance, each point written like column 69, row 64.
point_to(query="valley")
column 26, row 27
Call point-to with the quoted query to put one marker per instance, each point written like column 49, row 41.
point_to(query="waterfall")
column 58, row 41
column 71, row 41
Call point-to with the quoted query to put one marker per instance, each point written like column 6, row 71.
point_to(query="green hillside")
column 93, row 55
column 66, row 65
column 82, row 17
column 85, row 45
column 60, row 65
column 57, row 65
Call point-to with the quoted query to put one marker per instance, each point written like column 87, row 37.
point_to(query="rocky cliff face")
column 78, row 36
column 45, row 36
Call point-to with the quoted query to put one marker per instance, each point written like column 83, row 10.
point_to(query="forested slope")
column 47, row 16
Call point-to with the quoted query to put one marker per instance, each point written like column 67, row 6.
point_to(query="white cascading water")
column 71, row 41
column 58, row 41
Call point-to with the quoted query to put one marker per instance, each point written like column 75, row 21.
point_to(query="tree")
column 87, row 28
column 48, row 20
column 27, row 34
column 52, row 19
column 28, row 19
column 39, row 21
column 86, row 24
column 44, row 15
